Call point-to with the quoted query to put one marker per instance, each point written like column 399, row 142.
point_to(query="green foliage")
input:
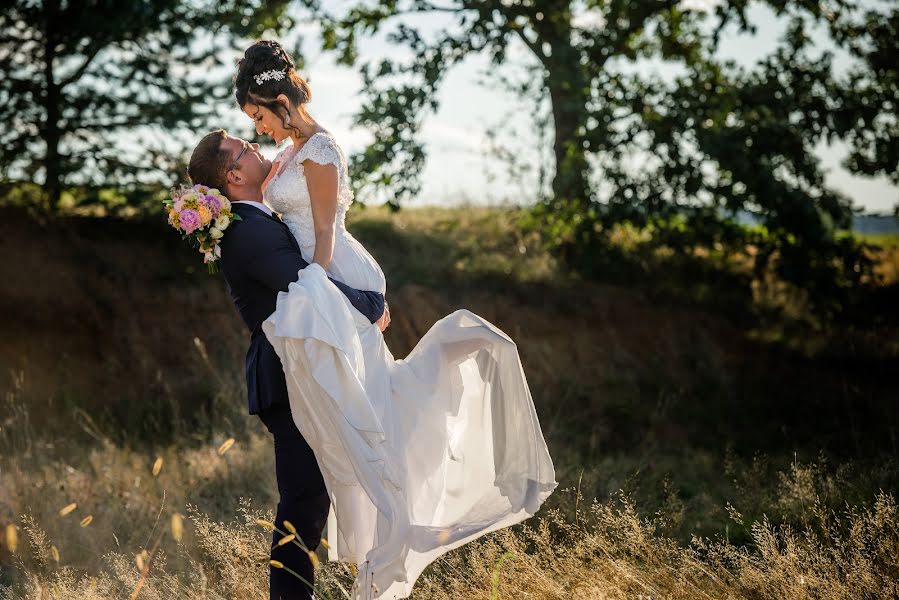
column 716, row 141
column 78, row 77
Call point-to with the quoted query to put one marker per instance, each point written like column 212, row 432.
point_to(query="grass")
column 474, row 246
column 809, row 531
column 578, row 549
column 703, row 455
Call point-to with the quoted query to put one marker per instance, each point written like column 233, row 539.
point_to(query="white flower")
column 226, row 204
column 211, row 255
column 268, row 75
column 216, row 233
column 214, row 192
column 222, row 223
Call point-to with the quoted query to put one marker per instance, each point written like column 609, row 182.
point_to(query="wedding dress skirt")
column 419, row 455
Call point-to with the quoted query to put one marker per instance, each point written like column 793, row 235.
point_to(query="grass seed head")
column 226, row 445
column 157, row 466
column 289, row 527
column 201, row 348
column 54, row 553
column 286, row 539
column 140, row 559
column 67, row 509
column 87, row 520
column 12, row 537
column 276, row 563
column 314, row 558
column 266, row 524
column 177, row 526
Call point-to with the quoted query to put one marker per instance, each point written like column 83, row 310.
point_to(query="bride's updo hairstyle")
column 265, row 72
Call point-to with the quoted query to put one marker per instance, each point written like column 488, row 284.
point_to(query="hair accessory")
column 267, row 75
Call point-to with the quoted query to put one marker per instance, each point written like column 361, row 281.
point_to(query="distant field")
column 881, row 239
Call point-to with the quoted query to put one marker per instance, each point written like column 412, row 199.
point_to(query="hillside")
column 92, row 307
column 115, row 341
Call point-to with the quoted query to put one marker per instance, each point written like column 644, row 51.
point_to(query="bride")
column 419, row 455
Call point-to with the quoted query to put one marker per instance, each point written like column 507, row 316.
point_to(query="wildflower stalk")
column 494, row 592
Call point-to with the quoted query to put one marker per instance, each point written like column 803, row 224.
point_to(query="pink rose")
column 189, row 219
column 178, row 206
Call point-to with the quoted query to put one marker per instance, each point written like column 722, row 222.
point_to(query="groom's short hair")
column 209, row 162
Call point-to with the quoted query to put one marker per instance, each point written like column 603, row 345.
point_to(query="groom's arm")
column 276, row 262
column 370, row 304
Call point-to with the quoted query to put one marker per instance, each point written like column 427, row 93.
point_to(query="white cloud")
column 449, row 137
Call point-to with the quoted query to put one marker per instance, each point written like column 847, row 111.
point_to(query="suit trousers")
column 304, row 501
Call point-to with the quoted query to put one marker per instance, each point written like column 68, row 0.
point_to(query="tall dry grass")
column 591, row 551
column 106, row 522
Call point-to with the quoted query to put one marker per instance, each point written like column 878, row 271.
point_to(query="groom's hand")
column 384, row 321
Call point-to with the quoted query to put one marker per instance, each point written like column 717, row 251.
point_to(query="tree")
column 394, row 113
column 719, row 138
column 76, row 78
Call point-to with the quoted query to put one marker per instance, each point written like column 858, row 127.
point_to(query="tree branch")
column 79, row 72
column 532, row 46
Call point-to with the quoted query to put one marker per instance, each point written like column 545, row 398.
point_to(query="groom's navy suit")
column 260, row 257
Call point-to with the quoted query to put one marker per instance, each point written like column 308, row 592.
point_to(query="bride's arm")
column 322, row 183
column 266, row 253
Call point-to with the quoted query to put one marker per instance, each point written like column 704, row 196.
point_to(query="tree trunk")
column 570, row 182
column 569, row 91
column 51, row 100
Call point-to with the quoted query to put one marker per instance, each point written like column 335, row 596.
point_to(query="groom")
column 260, row 257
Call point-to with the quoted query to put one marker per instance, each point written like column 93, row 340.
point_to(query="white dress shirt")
column 264, row 208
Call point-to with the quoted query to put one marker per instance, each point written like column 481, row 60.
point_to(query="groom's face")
column 248, row 167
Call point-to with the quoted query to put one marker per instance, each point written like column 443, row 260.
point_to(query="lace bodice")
column 288, row 194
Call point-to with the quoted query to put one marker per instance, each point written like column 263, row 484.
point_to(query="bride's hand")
column 271, row 173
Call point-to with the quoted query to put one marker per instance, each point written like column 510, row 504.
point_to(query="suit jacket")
column 260, row 257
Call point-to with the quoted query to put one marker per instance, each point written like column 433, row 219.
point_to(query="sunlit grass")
column 469, row 245
column 107, row 523
column 580, row 550
column 885, row 240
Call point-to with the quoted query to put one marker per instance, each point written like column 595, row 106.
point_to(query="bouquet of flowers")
column 202, row 215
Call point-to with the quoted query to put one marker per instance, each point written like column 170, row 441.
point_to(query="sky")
column 459, row 167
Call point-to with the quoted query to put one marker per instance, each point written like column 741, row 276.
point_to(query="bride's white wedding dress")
column 419, row 455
